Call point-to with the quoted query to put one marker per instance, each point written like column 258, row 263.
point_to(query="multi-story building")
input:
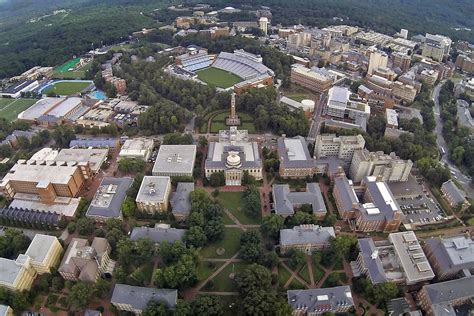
column 342, row 148
column 300, row 39
column 403, row 92
column 343, row 104
column 153, row 195
column 429, row 76
column 158, row 234
column 436, row 47
column 465, row 63
column 314, row 302
column 400, row 60
column 400, row 260
column 313, row 80
column 6, row 310
column 391, row 116
column 389, row 167
column 449, row 256
column 233, row 155
column 377, row 59
column 139, row 148
column 378, row 210
column 454, row 196
column 306, row 238
column 175, row 161
column 108, row 199
column 263, row 24
column 439, row 299
column 285, row 202
column 17, row 275
column 181, row 200
column 46, row 181
column 45, row 252
column 85, row 263
column 134, row 299
column 295, row 159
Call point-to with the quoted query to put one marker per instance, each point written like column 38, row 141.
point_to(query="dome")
column 233, row 160
column 229, row 8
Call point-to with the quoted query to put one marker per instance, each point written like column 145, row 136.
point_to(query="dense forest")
column 50, row 39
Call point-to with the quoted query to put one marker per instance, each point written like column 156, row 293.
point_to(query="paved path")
column 236, row 221
column 220, row 293
column 309, row 264
column 294, row 275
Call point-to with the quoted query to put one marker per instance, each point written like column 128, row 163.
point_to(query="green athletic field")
column 67, row 65
column 67, row 88
column 217, row 77
column 10, row 108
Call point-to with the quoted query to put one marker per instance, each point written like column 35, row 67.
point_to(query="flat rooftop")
column 39, row 108
column 153, row 189
column 109, row 197
column 40, row 246
column 175, row 159
column 65, row 107
column 40, row 174
column 138, row 297
column 411, row 256
column 94, row 156
column 67, row 207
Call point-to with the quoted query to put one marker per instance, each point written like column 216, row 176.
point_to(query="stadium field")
column 10, row 108
column 67, row 87
column 67, row 65
column 218, row 78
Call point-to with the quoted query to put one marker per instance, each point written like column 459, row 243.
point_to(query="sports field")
column 10, row 108
column 67, row 88
column 67, row 65
column 218, row 78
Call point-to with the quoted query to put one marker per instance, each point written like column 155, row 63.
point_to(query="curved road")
column 456, row 173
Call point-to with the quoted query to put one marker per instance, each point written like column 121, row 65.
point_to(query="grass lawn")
column 206, row 268
column 298, row 97
column 216, row 126
column 67, row 88
column 230, row 242
column 295, row 284
column 218, row 122
column 248, row 126
column 217, row 77
column 318, row 273
column 10, row 108
column 338, row 265
column 68, row 65
column 304, row 274
column 233, row 202
column 283, row 275
column 470, row 221
column 222, row 282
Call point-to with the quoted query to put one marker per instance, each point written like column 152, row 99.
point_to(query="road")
column 456, row 173
column 316, row 123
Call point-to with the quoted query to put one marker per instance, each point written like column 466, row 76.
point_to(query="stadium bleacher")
column 242, row 64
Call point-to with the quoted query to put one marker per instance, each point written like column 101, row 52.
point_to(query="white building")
column 436, row 47
column 154, row 194
column 344, row 104
column 175, row 160
column 343, row 147
column 377, row 60
column 263, row 24
column 140, row 148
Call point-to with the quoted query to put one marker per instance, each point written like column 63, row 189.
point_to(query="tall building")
column 295, row 159
column 346, row 105
column 263, row 24
column 233, row 155
column 436, row 47
column 45, row 252
column 465, row 63
column 403, row 92
column 439, row 299
column 175, row 161
column 342, row 148
column 390, row 168
column 313, row 80
column 377, row 59
column 454, row 195
column 400, row 60
column 449, row 256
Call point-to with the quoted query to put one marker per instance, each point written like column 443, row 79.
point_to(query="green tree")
column 80, row 295
column 205, row 305
column 217, row 179
column 155, row 308
column 195, row 236
column 85, row 226
column 250, row 248
column 124, row 250
column 341, row 246
column 296, row 258
column 128, row 207
column 271, row 226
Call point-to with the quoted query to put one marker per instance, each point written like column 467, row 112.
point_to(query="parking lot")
column 421, row 210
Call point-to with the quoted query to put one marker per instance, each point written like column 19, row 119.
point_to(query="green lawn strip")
column 67, row 65
column 216, row 126
column 222, row 282
column 217, row 77
column 233, row 202
column 67, row 88
column 206, row 268
column 343, row 277
column 295, row 284
column 248, row 126
column 283, row 275
column 470, row 221
column 230, row 243
column 10, row 110
column 298, row 97
column 304, row 274
column 228, row 220
column 318, row 273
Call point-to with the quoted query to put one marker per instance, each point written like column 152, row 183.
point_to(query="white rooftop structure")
column 153, row 189
column 40, row 246
column 140, row 148
column 392, row 117
column 39, row 108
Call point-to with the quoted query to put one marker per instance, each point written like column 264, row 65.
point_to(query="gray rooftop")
column 109, row 197
column 9, row 270
column 157, row 234
column 383, row 205
column 411, row 257
column 153, row 189
column 372, row 262
column 306, row 234
column 181, row 199
column 94, row 143
column 40, row 246
column 452, row 253
column 346, row 192
column 247, row 151
column 138, row 297
column 320, row 300
column 453, row 191
column 172, row 159
column 294, row 153
column 285, row 201
column 94, row 156
column 445, row 292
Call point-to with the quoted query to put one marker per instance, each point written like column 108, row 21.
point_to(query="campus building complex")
column 286, row 202
column 175, row 161
column 154, row 193
column 319, row 301
column 295, row 159
column 342, row 148
column 310, row 79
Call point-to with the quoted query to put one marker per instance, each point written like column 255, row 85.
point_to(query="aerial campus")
column 219, row 166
